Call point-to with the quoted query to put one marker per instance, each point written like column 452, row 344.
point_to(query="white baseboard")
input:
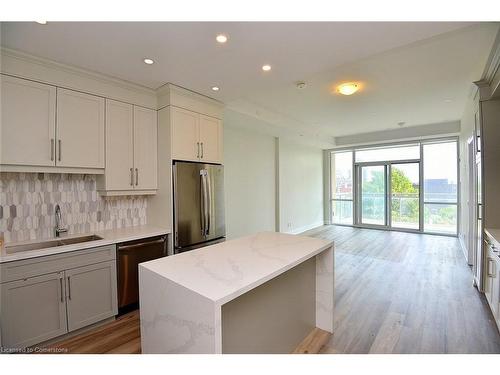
column 306, row 228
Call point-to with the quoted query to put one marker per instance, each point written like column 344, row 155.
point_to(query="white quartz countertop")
column 226, row 270
column 109, row 237
column 494, row 233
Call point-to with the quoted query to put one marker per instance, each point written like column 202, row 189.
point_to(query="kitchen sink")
column 50, row 243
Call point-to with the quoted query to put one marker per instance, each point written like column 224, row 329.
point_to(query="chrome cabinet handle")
column 202, row 150
column 136, row 176
column 69, row 288
column 131, row 176
column 60, row 152
column 52, row 149
column 492, row 263
column 61, row 284
column 198, row 150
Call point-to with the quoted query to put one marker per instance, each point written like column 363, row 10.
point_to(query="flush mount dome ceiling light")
column 148, row 61
column 348, row 88
column 221, row 38
column 215, row 88
column 41, row 22
column 266, row 67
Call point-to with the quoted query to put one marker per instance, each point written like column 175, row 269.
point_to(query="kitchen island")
column 258, row 294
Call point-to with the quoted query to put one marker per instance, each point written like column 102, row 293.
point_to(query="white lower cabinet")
column 91, row 294
column 34, row 309
column 492, row 282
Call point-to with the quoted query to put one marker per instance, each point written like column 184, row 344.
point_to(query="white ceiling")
column 408, row 69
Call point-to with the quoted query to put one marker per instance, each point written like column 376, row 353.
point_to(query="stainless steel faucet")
column 58, row 230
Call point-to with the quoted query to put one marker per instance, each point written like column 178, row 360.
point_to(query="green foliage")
column 404, row 209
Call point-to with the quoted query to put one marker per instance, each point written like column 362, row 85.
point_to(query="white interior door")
column 28, row 119
column 80, row 130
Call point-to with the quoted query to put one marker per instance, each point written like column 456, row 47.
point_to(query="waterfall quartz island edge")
column 263, row 293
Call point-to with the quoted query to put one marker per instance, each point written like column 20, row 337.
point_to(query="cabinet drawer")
column 23, row 269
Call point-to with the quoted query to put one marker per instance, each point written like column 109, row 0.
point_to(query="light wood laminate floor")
column 405, row 293
column 394, row 293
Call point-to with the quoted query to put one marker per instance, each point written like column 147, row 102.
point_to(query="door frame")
column 388, row 194
column 471, row 202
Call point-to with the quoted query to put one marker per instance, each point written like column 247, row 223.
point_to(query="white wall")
column 269, row 182
column 249, row 173
column 300, row 187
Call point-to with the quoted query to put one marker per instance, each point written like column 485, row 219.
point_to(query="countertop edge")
column 490, row 233
column 221, row 301
column 148, row 231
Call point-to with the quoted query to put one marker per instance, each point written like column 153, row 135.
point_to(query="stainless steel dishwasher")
column 130, row 254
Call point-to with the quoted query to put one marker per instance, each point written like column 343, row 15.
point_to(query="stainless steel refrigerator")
column 198, row 205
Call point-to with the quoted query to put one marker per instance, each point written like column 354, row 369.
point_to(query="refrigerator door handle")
column 209, row 203
column 202, row 201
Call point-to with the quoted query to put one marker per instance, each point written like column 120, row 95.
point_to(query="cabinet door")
column 32, row 310
column 28, row 118
column 119, row 146
column 91, row 294
column 495, row 290
column 210, row 139
column 80, row 130
column 185, row 134
column 145, row 148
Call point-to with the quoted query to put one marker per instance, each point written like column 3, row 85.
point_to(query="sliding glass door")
column 372, row 195
column 405, row 196
column 389, row 195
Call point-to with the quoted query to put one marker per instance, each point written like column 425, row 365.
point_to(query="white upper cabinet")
column 80, row 130
column 28, row 119
column 119, row 146
column 185, row 134
column 195, row 137
column 145, row 148
column 210, row 139
column 131, row 150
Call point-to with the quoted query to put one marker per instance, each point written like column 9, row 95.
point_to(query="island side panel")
column 175, row 319
column 275, row 316
column 325, row 289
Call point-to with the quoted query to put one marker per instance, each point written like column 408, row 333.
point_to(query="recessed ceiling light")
column 221, row 38
column 348, row 88
column 300, row 84
column 41, row 22
column 266, row 68
column 215, row 88
column 148, row 61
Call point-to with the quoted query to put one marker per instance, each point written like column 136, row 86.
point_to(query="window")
column 342, row 190
column 395, row 153
column 410, row 186
column 440, row 187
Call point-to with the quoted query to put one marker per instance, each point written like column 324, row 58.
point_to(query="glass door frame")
column 388, row 194
column 358, row 194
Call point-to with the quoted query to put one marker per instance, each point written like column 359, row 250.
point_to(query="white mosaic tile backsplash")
column 28, row 200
